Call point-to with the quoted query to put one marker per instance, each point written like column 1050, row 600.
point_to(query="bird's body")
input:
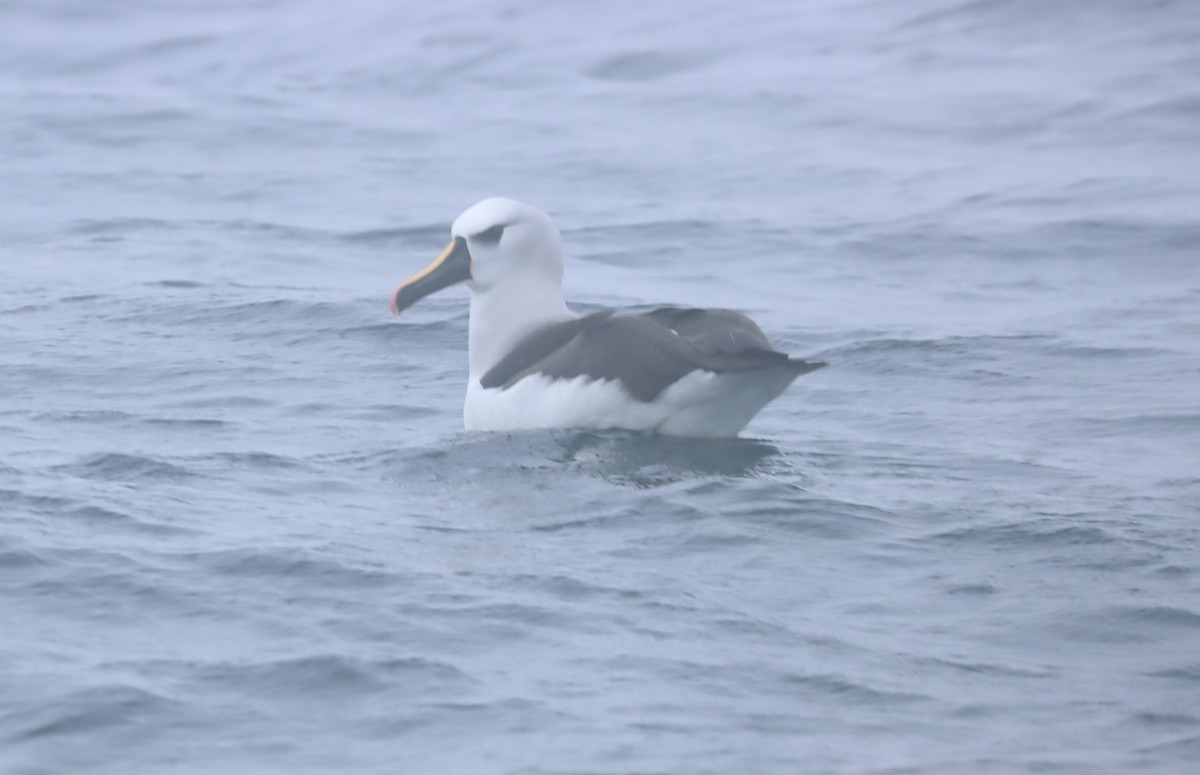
column 535, row 364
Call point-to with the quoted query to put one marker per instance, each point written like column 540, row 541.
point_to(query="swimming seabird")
column 536, row 364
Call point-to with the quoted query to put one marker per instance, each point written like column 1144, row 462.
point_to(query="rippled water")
column 241, row 528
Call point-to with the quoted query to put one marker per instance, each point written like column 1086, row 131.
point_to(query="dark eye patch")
column 490, row 236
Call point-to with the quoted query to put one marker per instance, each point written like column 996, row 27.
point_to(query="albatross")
column 533, row 363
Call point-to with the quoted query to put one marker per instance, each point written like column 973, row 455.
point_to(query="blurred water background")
column 241, row 529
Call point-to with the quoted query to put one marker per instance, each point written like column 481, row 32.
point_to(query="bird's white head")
column 510, row 241
column 510, row 255
column 494, row 243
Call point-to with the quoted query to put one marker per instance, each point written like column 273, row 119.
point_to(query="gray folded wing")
column 647, row 353
column 712, row 330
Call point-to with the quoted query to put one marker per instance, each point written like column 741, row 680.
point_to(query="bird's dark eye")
column 490, row 236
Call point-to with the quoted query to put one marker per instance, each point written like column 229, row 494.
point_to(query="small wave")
column 955, row 344
column 140, row 54
column 84, row 298
column 277, row 231
column 1189, row 673
column 1185, row 107
column 976, row 667
column 633, row 66
column 790, row 507
column 507, row 717
column 109, row 227
column 974, row 590
column 102, row 588
column 1156, row 616
column 735, row 679
column 272, row 311
column 1175, row 571
column 981, row 359
column 970, row 10
column 570, row 588
column 118, row 466
column 112, row 518
column 330, row 675
column 665, row 230
column 1026, row 533
column 222, row 403
column 1184, row 747
column 187, row 285
column 1126, row 624
column 186, row 423
column 20, row 559
column 86, row 416
column 1164, row 719
column 15, row 499
column 852, row 691
column 649, row 509
column 1119, row 237
column 520, row 621
column 1161, row 425
column 24, row 309
column 292, row 322
column 94, row 710
column 255, row 460
column 422, row 234
column 1069, row 349
column 283, row 562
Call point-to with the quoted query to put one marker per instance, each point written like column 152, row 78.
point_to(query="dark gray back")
column 646, row 352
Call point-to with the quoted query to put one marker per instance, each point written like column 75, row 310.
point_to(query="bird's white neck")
column 502, row 316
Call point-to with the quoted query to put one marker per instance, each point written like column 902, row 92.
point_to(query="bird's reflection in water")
column 642, row 460
column 620, row 457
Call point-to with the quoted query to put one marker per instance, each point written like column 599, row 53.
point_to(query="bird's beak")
column 452, row 266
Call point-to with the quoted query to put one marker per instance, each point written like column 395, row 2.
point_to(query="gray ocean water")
column 242, row 529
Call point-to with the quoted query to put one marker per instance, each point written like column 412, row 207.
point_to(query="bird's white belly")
column 539, row 402
column 700, row 404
